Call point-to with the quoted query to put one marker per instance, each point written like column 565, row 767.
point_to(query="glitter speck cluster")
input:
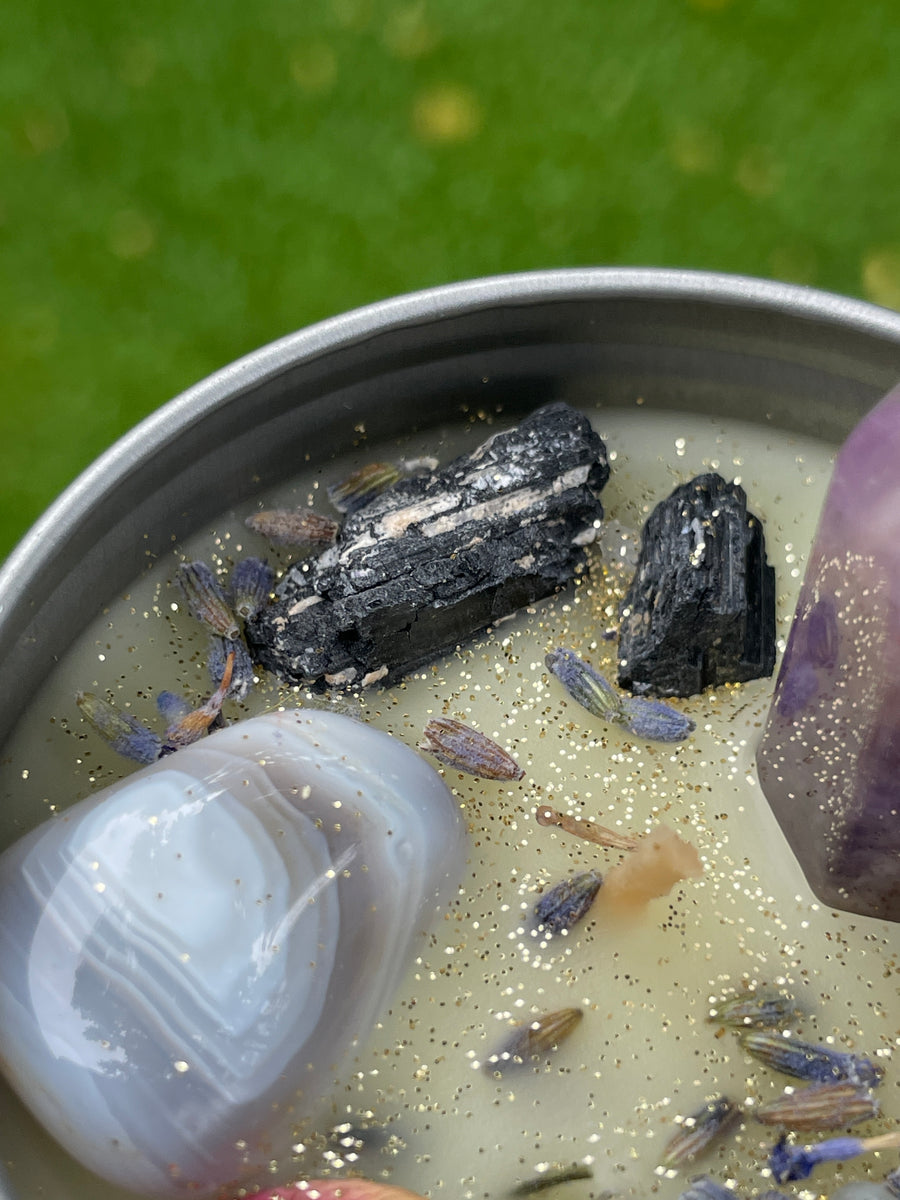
column 606, row 1098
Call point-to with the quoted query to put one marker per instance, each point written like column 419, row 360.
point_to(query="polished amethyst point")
column 829, row 760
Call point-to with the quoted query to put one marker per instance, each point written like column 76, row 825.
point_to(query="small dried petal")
column 568, row 901
column 600, row 835
column 206, row 600
column 821, row 1106
column 242, row 675
column 702, row 1187
column 534, row 1040
column 191, row 726
column 754, row 1010
column 362, row 486
column 655, row 720
column 814, row 1063
column 585, row 685
column 467, row 750
column 125, row 733
column 552, row 1179
column 303, row 530
column 251, row 582
column 699, row 1130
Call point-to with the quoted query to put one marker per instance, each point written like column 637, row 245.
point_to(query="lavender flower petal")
column 699, row 1130
column 754, row 1010
column 788, row 1162
column 820, row 1106
column 363, row 485
column 814, row 1063
column 655, row 720
column 464, row 748
column 702, row 1187
column 251, row 582
column 125, row 733
column 651, row 719
column 206, row 600
column 584, row 684
column 568, row 901
column 534, row 1040
column 172, row 707
column 304, row 530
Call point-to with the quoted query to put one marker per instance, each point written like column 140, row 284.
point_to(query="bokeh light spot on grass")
column 757, row 173
column 313, row 66
column 408, row 33
column 446, row 112
column 695, row 150
column 43, row 128
column 881, row 276
column 131, row 234
column 352, row 14
column 137, row 62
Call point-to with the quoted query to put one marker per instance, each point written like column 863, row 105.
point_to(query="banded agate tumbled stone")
column 829, row 759
column 190, row 956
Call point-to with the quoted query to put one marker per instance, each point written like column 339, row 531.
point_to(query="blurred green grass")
column 180, row 184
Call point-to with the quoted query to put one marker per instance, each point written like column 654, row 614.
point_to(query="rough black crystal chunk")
column 437, row 557
column 701, row 607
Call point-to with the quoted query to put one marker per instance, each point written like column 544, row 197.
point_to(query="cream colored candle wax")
column 606, row 1100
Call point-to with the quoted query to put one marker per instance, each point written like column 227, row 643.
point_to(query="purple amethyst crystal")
column 829, row 760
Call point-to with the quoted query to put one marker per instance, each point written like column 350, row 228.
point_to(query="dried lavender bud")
column 190, row 726
column 251, row 582
column 821, row 1106
column 363, row 485
column 304, row 530
column 242, row 675
column 534, row 1040
column 702, row 1187
column 125, row 733
column 206, row 600
column 814, row 1063
column 699, row 1130
column 584, row 684
column 789, row 1162
column 754, row 1010
column 172, row 707
column 467, row 750
column 655, row 720
column 568, row 901
column 651, row 719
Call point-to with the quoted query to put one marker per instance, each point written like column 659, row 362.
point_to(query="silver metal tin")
column 791, row 358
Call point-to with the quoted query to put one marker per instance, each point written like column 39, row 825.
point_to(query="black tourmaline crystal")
column 701, row 607
column 437, row 557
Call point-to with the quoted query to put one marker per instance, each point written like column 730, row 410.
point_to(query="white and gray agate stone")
column 190, row 957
